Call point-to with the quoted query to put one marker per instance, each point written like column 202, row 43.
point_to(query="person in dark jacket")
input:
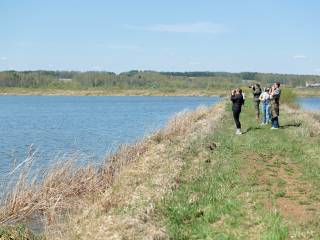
column 256, row 91
column 275, row 93
column 237, row 102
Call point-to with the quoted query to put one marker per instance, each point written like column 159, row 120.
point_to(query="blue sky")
column 265, row 36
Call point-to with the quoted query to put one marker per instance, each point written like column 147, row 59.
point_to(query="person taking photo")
column 275, row 93
column 237, row 99
column 256, row 91
column 265, row 99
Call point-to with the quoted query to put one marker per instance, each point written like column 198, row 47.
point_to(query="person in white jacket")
column 265, row 100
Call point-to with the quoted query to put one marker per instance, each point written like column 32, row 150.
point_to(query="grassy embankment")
column 261, row 185
column 194, row 179
column 118, row 198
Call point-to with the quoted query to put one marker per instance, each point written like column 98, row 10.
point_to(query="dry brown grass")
column 59, row 185
column 116, row 200
column 310, row 119
column 125, row 211
column 62, row 185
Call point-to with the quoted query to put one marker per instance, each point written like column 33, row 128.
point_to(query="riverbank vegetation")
column 70, row 200
column 140, row 82
column 193, row 179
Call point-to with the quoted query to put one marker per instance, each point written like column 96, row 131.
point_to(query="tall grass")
column 276, row 229
column 61, row 186
column 65, row 186
column 288, row 96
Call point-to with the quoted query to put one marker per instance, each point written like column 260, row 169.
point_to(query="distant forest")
column 145, row 79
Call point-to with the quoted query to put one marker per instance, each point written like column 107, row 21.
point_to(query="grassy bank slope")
column 261, row 185
column 194, row 179
column 126, row 211
column 116, row 201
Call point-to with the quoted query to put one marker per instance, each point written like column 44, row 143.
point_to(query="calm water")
column 310, row 103
column 88, row 127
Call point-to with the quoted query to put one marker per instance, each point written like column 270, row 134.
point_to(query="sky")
column 169, row 35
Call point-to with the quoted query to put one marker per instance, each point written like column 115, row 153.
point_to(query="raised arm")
column 261, row 97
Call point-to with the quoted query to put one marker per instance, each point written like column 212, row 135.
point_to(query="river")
column 86, row 127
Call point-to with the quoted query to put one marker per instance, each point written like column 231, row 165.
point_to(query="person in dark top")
column 275, row 93
column 256, row 91
column 237, row 102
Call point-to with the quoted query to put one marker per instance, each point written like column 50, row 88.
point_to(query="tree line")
column 145, row 79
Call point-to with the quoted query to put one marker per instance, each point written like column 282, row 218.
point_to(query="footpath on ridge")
column 263, row 184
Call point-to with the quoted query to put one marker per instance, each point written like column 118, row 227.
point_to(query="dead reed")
column 65, row 185
column 61, row 185
column 309, row 118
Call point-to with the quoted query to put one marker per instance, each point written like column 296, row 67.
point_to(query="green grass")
column 288, row 96
column 276, row 229
column 18, row 232
column 237, row 194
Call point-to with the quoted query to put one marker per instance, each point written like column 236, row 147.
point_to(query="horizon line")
column 157, row 71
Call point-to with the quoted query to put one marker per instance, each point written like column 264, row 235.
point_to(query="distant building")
column 313, row 84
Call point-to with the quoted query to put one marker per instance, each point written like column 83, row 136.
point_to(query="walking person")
column 237, row 102
column 275, row 93
column 256, row 91
column 265, row 100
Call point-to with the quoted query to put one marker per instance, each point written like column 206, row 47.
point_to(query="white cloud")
column 299, row 56
column 3, row 58
column 196, row 27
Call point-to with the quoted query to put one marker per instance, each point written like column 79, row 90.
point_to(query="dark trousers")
column 236, row 117
column 275, row 122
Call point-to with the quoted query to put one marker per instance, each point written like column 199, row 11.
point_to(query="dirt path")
column 278, row 185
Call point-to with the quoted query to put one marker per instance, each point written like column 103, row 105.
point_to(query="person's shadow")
column 282, row 127
column 251, row 129
column 291, row 125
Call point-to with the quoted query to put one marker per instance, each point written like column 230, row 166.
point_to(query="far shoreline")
column 110, row 92
column 305, row 92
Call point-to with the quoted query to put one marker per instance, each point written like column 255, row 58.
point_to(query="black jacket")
column 237, row 102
